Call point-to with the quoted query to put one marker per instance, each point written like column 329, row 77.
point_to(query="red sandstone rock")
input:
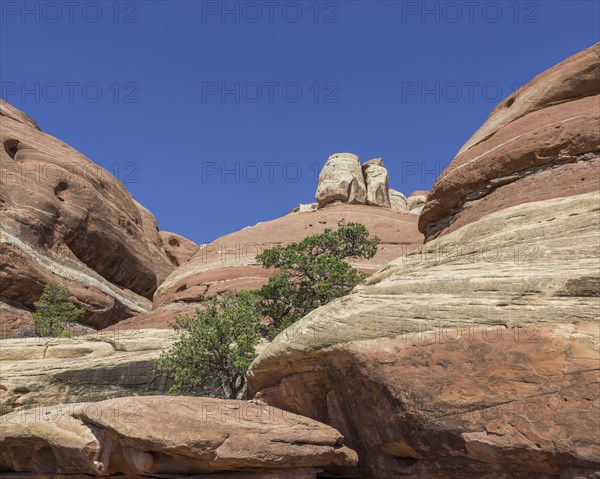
column 177, row 436
column 178, row 249
column 64, row 217
column 475, row 357
column 541, row 142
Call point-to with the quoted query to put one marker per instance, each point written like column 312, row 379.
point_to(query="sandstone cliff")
column 541, row 142
column 475, row 357
column 228, row 265
column 346, row 191
column 64, row 217
column 478, row 355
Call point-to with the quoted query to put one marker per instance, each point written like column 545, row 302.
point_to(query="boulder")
column 65, row 218
column 398, row 201
column 162, row 436
column 178, row 249
column 376, row 180
column 541, row 142
column 415, row 201
column 476, row 356
column 305, row 208
column 39, row 372
column 341, row 179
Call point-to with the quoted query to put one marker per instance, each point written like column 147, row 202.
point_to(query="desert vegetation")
column 218, row 343
column 54, row 314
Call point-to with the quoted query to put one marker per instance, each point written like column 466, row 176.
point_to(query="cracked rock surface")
column 41, row 372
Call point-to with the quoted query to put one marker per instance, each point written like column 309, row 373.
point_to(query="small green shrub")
column 53, row 312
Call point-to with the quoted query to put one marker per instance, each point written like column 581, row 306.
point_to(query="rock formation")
column 65, row 218
column 474, row 355
column 14, row 319
column 541, row 142
column 39, row 372
column 376, row 179
column 162, row 436
column 477, row 356
column 227, row 265
column 415, row 201
column 398, row 201
column 341, row 179
column 9, row 111
column 305, row 208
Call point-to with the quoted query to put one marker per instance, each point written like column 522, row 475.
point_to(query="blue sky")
column 218, row 115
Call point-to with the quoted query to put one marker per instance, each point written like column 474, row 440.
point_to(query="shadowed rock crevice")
column 11, row 147
column 60, row 187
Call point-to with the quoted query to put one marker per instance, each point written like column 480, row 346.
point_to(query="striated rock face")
column 477, row 356
column 341, row 179
column 376, row 179
column 398, row 201
column 39, row 372
column 64, row 217
column 416, row 200
column 179, row 249
column 228, row 265
column 541, row 142
column 153, row 436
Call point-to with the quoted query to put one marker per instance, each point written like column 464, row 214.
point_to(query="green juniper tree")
column 215, row 350
column 218, row 344
column 311, row 273
column 53, row 312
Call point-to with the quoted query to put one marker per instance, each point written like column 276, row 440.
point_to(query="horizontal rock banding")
column 477, row 355
column 40, row 372
column 552, row 121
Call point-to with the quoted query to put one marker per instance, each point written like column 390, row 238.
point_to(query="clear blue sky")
column 162, row 126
